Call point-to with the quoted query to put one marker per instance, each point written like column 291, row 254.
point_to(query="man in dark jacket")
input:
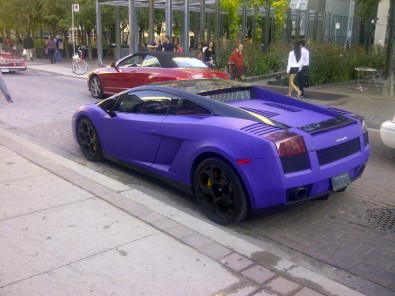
column 28, row 46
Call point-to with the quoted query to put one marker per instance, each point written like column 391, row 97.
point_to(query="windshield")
column 185, row 62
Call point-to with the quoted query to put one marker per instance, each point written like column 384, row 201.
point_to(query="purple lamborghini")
column 238, row 148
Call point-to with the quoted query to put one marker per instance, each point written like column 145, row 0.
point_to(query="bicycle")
column 230, row 75
column 79, row 65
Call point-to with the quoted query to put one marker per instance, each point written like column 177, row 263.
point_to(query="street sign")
column 337, row 26
column 76, row 7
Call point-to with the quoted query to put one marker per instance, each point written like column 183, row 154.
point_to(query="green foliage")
column 280, row 8
column 330, row 63
column 366, row 8
column 231, row 19
column 254, row 59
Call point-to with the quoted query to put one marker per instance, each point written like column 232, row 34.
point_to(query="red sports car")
column 11, row 63
column 147, row 67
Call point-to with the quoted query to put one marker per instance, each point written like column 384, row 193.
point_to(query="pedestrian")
column 198, row 51
column 209, row 53
column 59, row 48
column 236, row 61
column 8, row 44
column 155, row 45
column 263, row 46
column 293, row 68
column 302, row 76
column 28, row 46
column 167, row 44
column 4, row 89
column 179, row 48
column 51, row 48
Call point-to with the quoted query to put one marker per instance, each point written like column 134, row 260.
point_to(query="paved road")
column 337, row 236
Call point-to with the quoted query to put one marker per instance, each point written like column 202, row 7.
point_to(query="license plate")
column 5, row 70
column 341, row 181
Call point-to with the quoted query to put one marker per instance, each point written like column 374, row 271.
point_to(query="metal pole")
column 169, row 19
column 117, row 34
column 132, row 27
column 151, row 33
column 218, row 32
column 202, row 20
column 185, row 32
column 72, row 27
column 244, row 23
column 99, row 35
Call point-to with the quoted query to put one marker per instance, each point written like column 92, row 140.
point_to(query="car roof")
column 165, row 57
column 197, row 90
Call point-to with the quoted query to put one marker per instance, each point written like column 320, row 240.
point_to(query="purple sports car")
column 238, row 148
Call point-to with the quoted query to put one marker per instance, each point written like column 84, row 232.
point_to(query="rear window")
column 185, row 62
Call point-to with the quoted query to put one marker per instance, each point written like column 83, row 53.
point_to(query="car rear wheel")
column 96, row 87
column 88, row 139
column 219, row 191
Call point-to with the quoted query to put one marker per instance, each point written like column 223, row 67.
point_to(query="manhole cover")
column 383, row 219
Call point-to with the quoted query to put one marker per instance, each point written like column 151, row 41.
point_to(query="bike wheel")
column 80, row 67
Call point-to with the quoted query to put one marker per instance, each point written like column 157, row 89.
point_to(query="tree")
column 231, row 20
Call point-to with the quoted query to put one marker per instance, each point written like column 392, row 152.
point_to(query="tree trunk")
column 390, row 58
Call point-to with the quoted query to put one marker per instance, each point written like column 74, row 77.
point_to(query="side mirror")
column 112, row 65
column 112, row 113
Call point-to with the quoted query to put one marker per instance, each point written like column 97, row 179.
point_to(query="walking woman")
column 293, row 68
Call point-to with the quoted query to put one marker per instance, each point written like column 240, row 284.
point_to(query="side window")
column 186, row 107
column 127, row 102
column 144, row 102
column 107, row 105
column 133, row 61
column 151, row 61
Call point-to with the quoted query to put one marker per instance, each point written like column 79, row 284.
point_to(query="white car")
column 387, row 132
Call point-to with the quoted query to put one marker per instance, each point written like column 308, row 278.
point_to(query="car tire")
column 88, row 140
column 220, row 192
column 96, row 87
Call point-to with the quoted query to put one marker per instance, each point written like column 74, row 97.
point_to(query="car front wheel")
column 96, row 87
column 219, row 191
column 88, row 139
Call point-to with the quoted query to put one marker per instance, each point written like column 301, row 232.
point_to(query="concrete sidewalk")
column 68, row 230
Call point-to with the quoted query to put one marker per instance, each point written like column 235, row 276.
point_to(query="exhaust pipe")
column 300, row 193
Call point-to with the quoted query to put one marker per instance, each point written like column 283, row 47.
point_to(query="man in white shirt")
column 305, row 66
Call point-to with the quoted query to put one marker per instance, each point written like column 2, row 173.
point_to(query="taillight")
column 288, row 143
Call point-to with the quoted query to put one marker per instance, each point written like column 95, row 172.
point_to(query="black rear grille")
column 335, row 153
column 295, row 163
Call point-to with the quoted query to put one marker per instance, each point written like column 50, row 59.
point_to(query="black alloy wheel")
column 88, row 139
column 219, row 191
column 96, row 87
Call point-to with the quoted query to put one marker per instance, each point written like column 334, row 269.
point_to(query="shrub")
column 329, row 63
